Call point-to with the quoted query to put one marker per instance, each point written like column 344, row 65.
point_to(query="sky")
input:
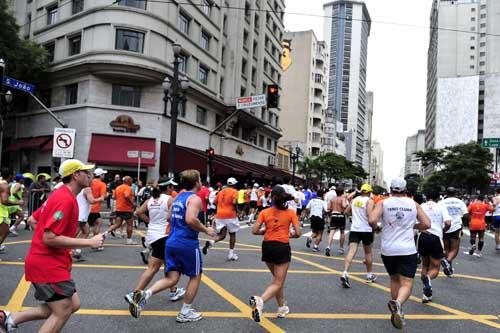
column 397, row 67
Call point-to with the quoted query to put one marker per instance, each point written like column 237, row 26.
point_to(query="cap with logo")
column 367, row 188
column 232, row 181
column 398, row 185
column 99, row 172
column 71, row 166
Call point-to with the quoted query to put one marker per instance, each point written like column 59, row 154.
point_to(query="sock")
column 345, row 273
column 480, row 245
column 9, row 320
column 185, row 308
column 148, row 294
column 429, row 280
column 472, row 242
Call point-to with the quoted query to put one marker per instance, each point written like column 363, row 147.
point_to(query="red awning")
column 112, row 150
column 28, row 143
column 48, row 145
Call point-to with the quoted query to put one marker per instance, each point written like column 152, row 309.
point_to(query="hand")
column 210, row 232
column 377, row 229
column 20, row 202
column 97, row 241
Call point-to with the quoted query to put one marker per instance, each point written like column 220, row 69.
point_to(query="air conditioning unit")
column 271, row 160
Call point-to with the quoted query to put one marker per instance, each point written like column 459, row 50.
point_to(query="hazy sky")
column 397, row 67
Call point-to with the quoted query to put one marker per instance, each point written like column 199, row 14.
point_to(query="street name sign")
column 133, row 154
column 250, row 102
column 149, row 155
column 64, row 142
column 19, row 85
column 491, row 143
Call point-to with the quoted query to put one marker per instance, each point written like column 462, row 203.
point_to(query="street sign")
column 149, row 155
column 491, row 143
column 132, row 154
column 250, row 102
column 64, row 142
column 19, row 85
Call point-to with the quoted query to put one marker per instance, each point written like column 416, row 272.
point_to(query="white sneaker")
column 130, row 241
column 283, row 311
column 232, row 257
column 77, row 254
column 2, row 248
column 100, row 249
column 257, row 305
column 13, row 231
column 177, row 294
column 341, row 251
column 189, row 316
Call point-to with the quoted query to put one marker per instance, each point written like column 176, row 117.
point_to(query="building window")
column 223, row 55
column 221, row 86
column 245, row 40
column 126, row 96
column 184, row 23
column 50, row 51
column 483, row 25
column 472, row 47
column 472, row 67
column 52, row 15
column 203, row 74
column 183, row 61
column 75, row 43
column 181, row 110
column 244, row 67
column 224, row 24
column 206, row 7
column 247, row 10
column 482, row 54
column 129, row 40
column 46, row 97
column 254, row 75
column 71, row 94
column 77, row 6
column 269, row 144
column 205, row 40
column 133, row 3
column 201, row 116
column 472, row 19
column 472, row 37
column 261, row 141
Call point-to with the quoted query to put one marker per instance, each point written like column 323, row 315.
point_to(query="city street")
column 469, row 302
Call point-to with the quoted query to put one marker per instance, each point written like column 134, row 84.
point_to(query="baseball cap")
column 19, row 177
column 232, row 181
column 398, row 185
column 168, row 182
column 71, row 166
column 367, row 188
column 332, row 188
column 99, row 172
column 255, row 185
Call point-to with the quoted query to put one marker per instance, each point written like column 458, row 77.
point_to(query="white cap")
column 398, row 185
column 99, row 172
column 333, row 188
column 261, row 189
column 255, row 185
column 232, row 181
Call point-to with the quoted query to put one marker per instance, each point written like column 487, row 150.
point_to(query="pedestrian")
column 337, row 207
column 477, row 211
column 48, row 263
column 496, row 218
column 316, row 209
column 399, row 215
column 182, row 253
column 16, row 189
column 124, row 208
column 38, row 193
column 5, row 202
column 274, row 223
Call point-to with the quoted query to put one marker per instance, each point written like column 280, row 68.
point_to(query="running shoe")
column 472, row 249
column 232, row 257
column 446, row 267
column 100, row 249
column 2, row 248
column 341, row 250
column 327, row 252
column 129, row 298
column 371, row 278
column 308, row 242
column 13, row 231
column 426, row 282
column 397, row 315
column 478, row 254
column 345, row 281
column 315, row 249
column 257, row 305
column 177, row 294
column 283, row 311
column 189, row 316
column 426, row 299
column 143, row 242
column 208, row 244
column 77, row 254
column 144, row 257
column 130, row 241
column 138, row 303
column 5, row 326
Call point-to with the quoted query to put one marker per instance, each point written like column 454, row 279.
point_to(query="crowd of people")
column 414, row 229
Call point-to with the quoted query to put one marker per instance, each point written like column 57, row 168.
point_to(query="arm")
column 447, row 225
column 256, row 228
column 52, row 240
column 347, row 208
column 193, row 208
column 296, row 227
column 141, row 212
column 4, row 198
column 425, row 222
column 375, row 215
column 90, row 197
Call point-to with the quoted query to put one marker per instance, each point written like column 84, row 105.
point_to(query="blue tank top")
column 181, row 235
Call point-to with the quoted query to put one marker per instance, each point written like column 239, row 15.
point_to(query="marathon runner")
column 429, row 242
column 276, row 251
column 16, row 193
column 399, row 216
column 254, row 197
column 5, row 203
column 182, row 253
column 48, row 263
column 84, row 200
column 496, row 218
column 99, row 190
column 361, row 231
column 451, row 238
column 124, row 208
column 316, row 208
column 337, row 206
column 477, row 211
column 226, row 219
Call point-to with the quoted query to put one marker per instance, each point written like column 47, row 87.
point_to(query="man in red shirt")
column 204, row 193
column 48, row 263
column 477, row 211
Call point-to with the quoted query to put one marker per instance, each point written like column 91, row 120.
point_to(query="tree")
column 430, row 157
column 413, row 182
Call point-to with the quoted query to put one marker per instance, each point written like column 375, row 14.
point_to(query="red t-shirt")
column 203, row 193
column 58, row 214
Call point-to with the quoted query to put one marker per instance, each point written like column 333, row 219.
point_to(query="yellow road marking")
column 18, row 242
column 17, row 299
column 245, row 309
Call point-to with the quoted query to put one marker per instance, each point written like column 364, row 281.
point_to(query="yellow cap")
column 46, row 175
column 69, row 167
column 29, row 175
column 366, row 188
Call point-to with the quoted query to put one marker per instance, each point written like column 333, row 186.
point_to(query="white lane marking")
column 467, row 232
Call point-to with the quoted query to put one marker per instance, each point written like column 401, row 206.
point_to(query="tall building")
column 347, row 27
column 377, row 164
column 304, row 93
column 414, row 144
column 463, row 80
column 369, row 132
column 107, row 64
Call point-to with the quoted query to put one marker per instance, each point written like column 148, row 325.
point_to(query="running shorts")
column 457, row 234
column 93, row 217
column 82, row 224
column 276, row 252
column 402, row 265
column 430, row 245
column 14, row 209
column 317, row 224
column 242, row 207
column 496, row 222
column 158, row 248
column 359, row 236
column 211, row 211
column 253, row 204
column 337, row 221
column 232, row 225
column 51, row 292
column 124, row 215
column 186, row 261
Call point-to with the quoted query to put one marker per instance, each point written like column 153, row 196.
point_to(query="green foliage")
column 430, row 157
column 413, row 182
column 330, row 166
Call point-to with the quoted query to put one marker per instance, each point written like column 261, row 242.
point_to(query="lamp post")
column 173, row 90
column 4, row 97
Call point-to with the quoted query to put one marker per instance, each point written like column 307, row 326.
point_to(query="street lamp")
column 174, row 89
column 4, row 97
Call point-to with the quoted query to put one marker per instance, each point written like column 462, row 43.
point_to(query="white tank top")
column 158, row 211
column 83, row 207
column 359, row 221
column 398, row 219
column 496, row 212
column 253, row 195
column 437, row 214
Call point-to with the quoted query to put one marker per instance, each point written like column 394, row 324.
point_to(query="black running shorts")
column 457, row 234
column 276, row 252
column 402, row 265
column 253, row 204
column 93, row 217
column 337, row 221
column 429, row 245
column 317, row 224
column 51, row 292
column 125, row 215
column 359, row 236
column 158, row 248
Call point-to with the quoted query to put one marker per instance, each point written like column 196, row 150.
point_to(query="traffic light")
column 273, row 96
column 210, row 153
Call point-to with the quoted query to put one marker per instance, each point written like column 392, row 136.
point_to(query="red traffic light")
column 211, row 152
column 272, row 89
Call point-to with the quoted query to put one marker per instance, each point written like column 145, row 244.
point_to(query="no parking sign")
column 64, row 142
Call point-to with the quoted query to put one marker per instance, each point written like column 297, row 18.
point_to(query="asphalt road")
column 469, row 302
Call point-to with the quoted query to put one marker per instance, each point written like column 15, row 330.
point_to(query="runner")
column 337, row 206
column 276, row 252
column 5, row 203
column 182, row 254
column 158, row 207
column 429, row 242
column 84, row 200
column 117, row 181
column 98, row 188
column 399, row 216
column 241, row 202
column 124, row 208
column 204, row 193
column 477, row 211
column 300, row 199
column 254, row 198
column 496, row 219
column 48, row 263
column 16, row 193
column 226, row 219
column 361, row 231
column 451, row 238
column 316, row 208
